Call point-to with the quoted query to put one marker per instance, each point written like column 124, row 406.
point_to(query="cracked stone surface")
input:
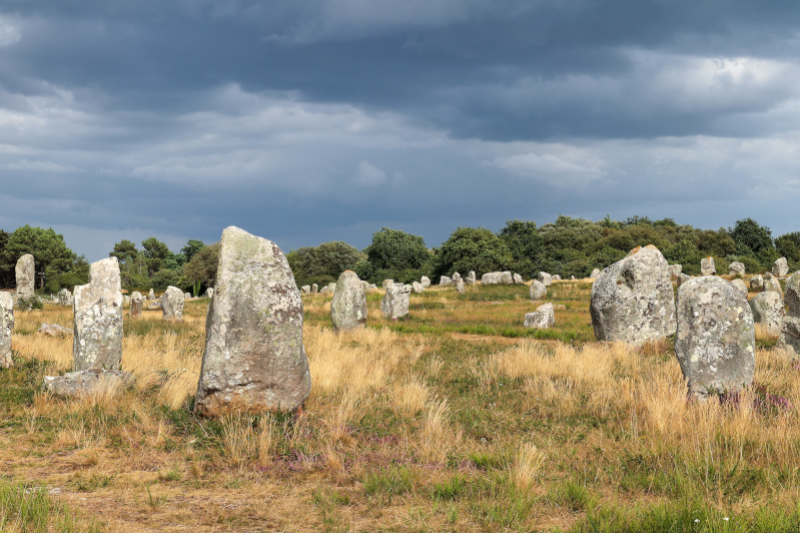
column 349, row 304
column 97, row 308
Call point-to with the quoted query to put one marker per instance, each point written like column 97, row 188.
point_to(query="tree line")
column 568, row 247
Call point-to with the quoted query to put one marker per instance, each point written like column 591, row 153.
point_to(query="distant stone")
column 136, row 304
column 395, row 302
column 209, row 292
column 87, row 383
column 545, row 278
column 366, row 285
column 789, row 339
column 152, row 295
column 306, row 289
column 506, row 278
column 6, row 328
column 595, row 273
column 172, row 303
column 373, row 287
column 26, row 277
column 543, row 318
column 314, row 288
column 780, row 268
column 97, row 309
column 572, row 278
column 707, row 267
column 54, row 330
column 757, row 282
column 254, row 360
column 64, row 297
column 557, row 277
column 387, row 283
column 417, row 287
column 632, row 300
column 425, row 282
column 739, row 284
column 683, row 278
column 768, row 310
column 187, row 296
column 444, row 281
column 332, row 286
column 471, row 277
column 736, row 269
column 492, row 278
column 675, row 271
column 325, row 290
column 456, row 277
column 518, row 279
column 771, row 283
column 460, row 287
column 538, row 290
column 715, row 340
column 349, row 305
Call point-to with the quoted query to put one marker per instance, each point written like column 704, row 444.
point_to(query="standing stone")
column 518, row 279
column 456, row 277
column 780, row 268
column 445, row 281
column 152, row 295
column 768, row 309
column 306, row 289
column 471, row 278
column 209, row 292
column 545, row 278
column 395, row 302
column 387, row 283
column 538, row 290
column 425, row 282
column 771, row 283
column 186, row 296
column 715, row 342
column 332, row 286
column 632, row 300
column 557, row 277
column 492, row 278
column 595, row 273
column 460, row 287
column 373, row 287
column 683, row 278
column 790, row 325
column 757, row 282
column 736, row 269
column 64, row 297
column 97, row 308
column 417, row 287
column 349, row 304
column 136, row 304
column 675, row 271
column 739, row 284
column 172, row 303
column 707, row 267
column 325, row 290
column 543, row 318
column 314, row 288
column 506, row 278
column 6, row 328
column 26, row 279
column 366, row 285
column 254, row 360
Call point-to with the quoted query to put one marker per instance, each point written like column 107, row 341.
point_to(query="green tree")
column 524, row 243
column 788, row 246
column 396, row 250
column 750, row 234
column 469, row 249
column 324, row 263
column 191, row 248
column 50, row 252
column 125, row 251
column 201, row 270
column 156, row 254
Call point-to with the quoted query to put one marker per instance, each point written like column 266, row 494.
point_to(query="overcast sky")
column 305, row 121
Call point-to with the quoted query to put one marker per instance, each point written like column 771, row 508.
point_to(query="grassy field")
column 454, row 419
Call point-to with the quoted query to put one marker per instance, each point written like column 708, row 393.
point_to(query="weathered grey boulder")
column 254, row 359
column 332, row 286
column 683, row 278
column 187, row 296
column 595, row 273
column 545, row 278
column 632, row 300
column 506, row 278
column 155, row 305
column 556, row 277
column 789, row 338
column 26, row 277
column 675, row 271
column 768, row 309
column 417, row 287
column 425, row 281
column 492, row 278
column 543, row 318
column 136, row 304
column 460, row 287
column 349, row 304
column 572, row 278
column 172, row 303
column 518, row 279
column 325, row 290
column 538, row 290
column 739, row 284
column 387, row 283
column 736, row 269
column 152, row 295
column 97, row 309
column 444, row 281
column 305, row 289
column 715, row 342
column 87, row 382
column 780, row 268
column 54, row 330
column 6, row 328
column 64, row 297
column 395, row 302
column 314, row 288
column 757, row 282
column 707, row 267
column 771, row 283
column 456, row 277
column 471, row 278
column 209, row 292
column 373, row 287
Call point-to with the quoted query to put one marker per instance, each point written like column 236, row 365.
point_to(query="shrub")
column 469, row 249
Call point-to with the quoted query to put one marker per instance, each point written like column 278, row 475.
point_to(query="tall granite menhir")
column 254, row 359
column 26, row 278
column 172, row 303
column 97, row 344
column 349, row 305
